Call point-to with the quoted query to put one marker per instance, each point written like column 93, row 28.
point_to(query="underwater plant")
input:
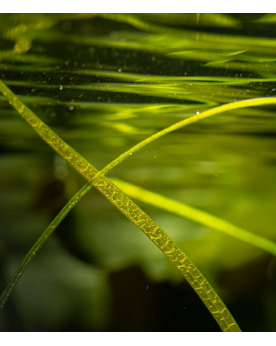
column 119, row 192
column 129, row 208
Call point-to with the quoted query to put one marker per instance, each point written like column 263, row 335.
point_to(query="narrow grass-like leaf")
column 185, row 122
column 118, row 198
column 41, row 240
column 196, row 215
column 132, row 212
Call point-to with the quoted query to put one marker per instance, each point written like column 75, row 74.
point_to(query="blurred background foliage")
column 105, row 82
